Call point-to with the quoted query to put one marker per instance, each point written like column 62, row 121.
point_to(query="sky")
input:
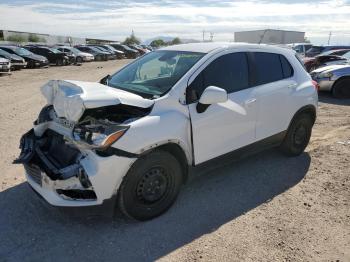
column 115, row 20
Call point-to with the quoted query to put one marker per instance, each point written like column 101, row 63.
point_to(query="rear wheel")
column 151, row 186
column 298, row 135
column 79, row 60
column 341, row 88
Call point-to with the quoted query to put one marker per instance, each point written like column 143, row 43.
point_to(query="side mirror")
column 211, row 95
column 104, row 81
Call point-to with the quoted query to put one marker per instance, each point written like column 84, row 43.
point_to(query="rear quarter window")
column 287, row 69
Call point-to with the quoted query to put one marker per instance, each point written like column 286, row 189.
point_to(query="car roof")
column 9, row 46
column 211, row 46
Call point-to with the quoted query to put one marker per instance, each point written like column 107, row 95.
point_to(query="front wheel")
column 151, row 186
column 59, row 62
column 298, row 135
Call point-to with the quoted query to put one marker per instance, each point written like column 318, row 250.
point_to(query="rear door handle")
column 292, row 85
column 250, row 101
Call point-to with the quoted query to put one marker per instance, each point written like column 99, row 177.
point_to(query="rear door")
column 274, row 83
column 223, row 127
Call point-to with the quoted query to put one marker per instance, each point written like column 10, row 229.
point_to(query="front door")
column 223, row 127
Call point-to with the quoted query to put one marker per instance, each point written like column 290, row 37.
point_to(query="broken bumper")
column 88, row 181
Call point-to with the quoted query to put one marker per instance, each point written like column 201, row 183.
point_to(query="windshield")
column 55, row 50
column 126, row 47
column 154, row 74
column 101, row 48
column 4, row 53
column 21, row 51
column 347, row 55
column 110, row 47
column 74, row 50
column 315, row 49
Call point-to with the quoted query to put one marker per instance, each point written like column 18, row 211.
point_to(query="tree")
column 16, row 38
column 175, row 41
column 132, row 40
column 158, row 43
column 33, row 38
column 306, row 40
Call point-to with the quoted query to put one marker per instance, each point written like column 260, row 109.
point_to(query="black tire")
column 98, row 58
column 79, row 60
column 298, row 135
column 59, row 62
column 151, row 186
column 341, row 88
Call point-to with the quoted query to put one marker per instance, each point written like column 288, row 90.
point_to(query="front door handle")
column 250, row 101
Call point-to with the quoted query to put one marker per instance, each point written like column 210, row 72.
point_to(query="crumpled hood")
column 71, row 98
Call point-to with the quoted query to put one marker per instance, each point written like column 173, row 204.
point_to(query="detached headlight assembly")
column 98, row 136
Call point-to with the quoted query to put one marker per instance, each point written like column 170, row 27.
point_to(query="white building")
column 270, row 36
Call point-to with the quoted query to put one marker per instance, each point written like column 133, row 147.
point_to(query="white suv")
column 133, row 137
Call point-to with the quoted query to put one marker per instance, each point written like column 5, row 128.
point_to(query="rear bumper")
column 66, row 185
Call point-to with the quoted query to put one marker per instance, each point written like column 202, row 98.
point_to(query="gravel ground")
column 266, row 207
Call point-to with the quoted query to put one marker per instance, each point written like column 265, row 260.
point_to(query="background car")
column 118, row 53
column 316, row 50
column 312, row 63
column 5, row 65
column 300, row 48
column 33, row 60
column 334, row 78
column 110, row 54
column 79, row 55
column 53, row 55
column 338, row 52
column 98, row 54
column 17, row 62
column 140, row 49
column 147, row 47
column 129, row 52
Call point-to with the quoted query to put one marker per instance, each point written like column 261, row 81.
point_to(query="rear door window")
column 267, row 68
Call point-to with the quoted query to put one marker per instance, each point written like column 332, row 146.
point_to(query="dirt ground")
column 266, row 207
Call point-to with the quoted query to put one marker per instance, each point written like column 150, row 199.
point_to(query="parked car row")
column 35, row 56
column 331, row 70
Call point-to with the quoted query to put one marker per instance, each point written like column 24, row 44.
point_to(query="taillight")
column 316, row 85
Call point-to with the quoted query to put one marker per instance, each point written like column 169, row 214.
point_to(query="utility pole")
column 211, row 36
column 329, row 37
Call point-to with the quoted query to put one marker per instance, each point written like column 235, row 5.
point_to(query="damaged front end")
column 68, row 155
column 50, row 157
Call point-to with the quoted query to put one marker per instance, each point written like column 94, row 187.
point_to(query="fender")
column 152, row 131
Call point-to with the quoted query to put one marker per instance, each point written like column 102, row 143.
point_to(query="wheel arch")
column 338, row 80
column 178, row 152
column 308, row 109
